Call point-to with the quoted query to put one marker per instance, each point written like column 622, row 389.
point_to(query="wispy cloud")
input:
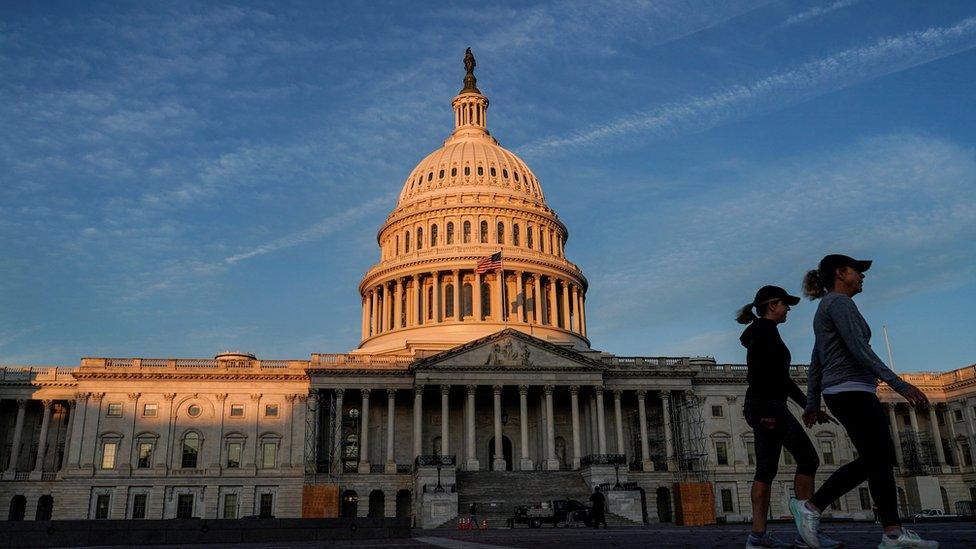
column 818, row 11
column 810, row 79
column 323, row 228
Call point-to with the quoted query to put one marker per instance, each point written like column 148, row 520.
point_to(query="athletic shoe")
column 908, row 538
column 826, row 542
column 807, row 522
column 766, row 540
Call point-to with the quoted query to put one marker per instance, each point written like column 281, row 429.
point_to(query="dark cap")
column 838, row 261
column 772, row 293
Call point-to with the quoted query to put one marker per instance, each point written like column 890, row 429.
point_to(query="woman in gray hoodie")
column 846, row 372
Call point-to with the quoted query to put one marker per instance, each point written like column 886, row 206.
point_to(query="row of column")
column 933, row 426
column 383, row 305
column 549, row 461
column 14, row 457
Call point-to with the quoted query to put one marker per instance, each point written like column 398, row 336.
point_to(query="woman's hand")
column 824, row 417
column 915, row 397
column 810, row 417
column 768, row 422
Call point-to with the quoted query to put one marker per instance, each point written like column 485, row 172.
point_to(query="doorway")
column 663, row 504
column 506, row 451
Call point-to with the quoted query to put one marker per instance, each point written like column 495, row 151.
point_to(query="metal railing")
column 603, row 459
column 435, row 460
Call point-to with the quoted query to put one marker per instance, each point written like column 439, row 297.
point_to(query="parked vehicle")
column 932, row 514
column 557, row 512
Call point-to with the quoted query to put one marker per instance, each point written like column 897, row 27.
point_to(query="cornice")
column 204, row 376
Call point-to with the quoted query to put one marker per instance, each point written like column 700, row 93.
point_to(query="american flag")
column 489, row 263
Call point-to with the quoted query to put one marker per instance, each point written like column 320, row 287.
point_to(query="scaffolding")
column 918, row 453
column 688, row 439
column 322, row 449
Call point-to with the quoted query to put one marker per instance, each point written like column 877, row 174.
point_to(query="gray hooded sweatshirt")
column 842, row 350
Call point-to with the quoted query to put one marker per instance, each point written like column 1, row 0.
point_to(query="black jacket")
column 768, row 360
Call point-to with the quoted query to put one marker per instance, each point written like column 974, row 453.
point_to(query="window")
column 974, row 411
column 230, row 506
column 271, row 410
column 717, row 411
column 505, row 174
column 440, row 174
column 430, row 176
column 515, row 235
column 491, row 171
column 406, row 242
column 267, row 506
column 528, row 237
column 109, row 450
column 449, row 301
column 450, row 233
column 102, row 506
column 483, row 235
column 191, row 450
column 835, row 505
column 430, row 302
column 114, row 409
column 453, row 172
column 236, row 410
column 234, row 450
column 433, row 235
column 727, row 506
column 500, row 233
column 467, row 170
column 751, row 452
column 541, row 238
column 967, row 456
column 485, row 299
column 827, row 450
column 722, row 452
column 193, row 410
column 865, row 496
column 481, row 171
column 145, row 455
column 269, row 455
column 466, row 304
column 466, row 230
column 150, row 409
column 396, row 242
column 420, row 238
column 957, row 414
column 516, row 176
column 139, row 506
column 184, row 506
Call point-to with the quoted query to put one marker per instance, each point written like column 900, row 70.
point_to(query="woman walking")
column 846, row 371
column 765, row 410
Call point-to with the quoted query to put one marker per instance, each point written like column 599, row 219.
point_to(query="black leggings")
column 769, row 443
column 864, row 418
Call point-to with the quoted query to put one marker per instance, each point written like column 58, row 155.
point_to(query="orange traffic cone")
column 484, row 524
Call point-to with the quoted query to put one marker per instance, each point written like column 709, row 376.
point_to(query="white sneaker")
column 908, row 538
column 808, row 522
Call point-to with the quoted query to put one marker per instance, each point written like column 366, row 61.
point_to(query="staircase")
column 498, row 492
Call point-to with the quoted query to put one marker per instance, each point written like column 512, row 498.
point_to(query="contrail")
column 817, row 11
column 813, row 78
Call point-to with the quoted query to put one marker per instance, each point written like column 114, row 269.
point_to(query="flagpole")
column 501, row 279
column 891, row 361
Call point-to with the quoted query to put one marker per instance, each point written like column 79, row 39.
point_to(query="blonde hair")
column 745, row 314
column 813, row 284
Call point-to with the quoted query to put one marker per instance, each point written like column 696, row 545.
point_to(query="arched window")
column 541, row 239
column 430, row 302
column 485, row 299
column 484, row 232
column 406, row 242
column 481, row 171
column 404, row 501
column 349, row 506
column 500, row 234
column 492, row 171
column 467, row 170
column 18, row 508
column 450, row 233
column 453, row 172
column 466, row 237
column 377, row 501
column 270, row 445
column 440, row 175
column 528, row 237
column 551, row 248
column 516, row 176
column 515, row 234
column 191, row 450
column 430, row 176
column 466, row 303
column 433, row 235
column 45, row 507
column 505, row 174
column 449, row 301
column 397, row 238
column 420, row 238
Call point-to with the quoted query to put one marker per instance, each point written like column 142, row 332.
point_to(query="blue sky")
column 182, row 178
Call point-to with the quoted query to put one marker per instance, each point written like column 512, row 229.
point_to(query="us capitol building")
column 474, row 382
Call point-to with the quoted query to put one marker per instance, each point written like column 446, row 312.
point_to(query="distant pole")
column 891, row 361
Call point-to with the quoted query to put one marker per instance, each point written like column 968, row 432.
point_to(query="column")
column 364, row 435
column 574, row 402
column 601, row 420
column 619, row 420
column 553, row 308
column 365, row 321
column 498, row 463
column 666, row 418
column 594, row 431
column 72, row 410
column 537, row 300
column 382, row 302
column 575, row 320
column 582, row 313
column 471, row 463
column 390, row 418
column 398, row 305
column 936, row 435
column 11, row 471
column 42, row 441
column 457, row 294
column 552, row 464
column 646, row 463
column 525, row 464
column 418, row 309
column 372, row 312
column 565, row 314
column 418, row 416
column 445, row 432
column 956, row 451
column 438, row 311
column 895, row 436
column 913, row 418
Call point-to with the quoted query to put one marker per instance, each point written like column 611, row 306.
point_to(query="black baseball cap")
column 773, row 293
column 838, row 261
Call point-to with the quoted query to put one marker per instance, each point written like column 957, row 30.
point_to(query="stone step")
column 497, row 493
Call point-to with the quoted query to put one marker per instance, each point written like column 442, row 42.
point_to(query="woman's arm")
column 852, row 329
column 814, row 378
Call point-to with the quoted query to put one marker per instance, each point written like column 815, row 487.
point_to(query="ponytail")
column 813, row 284
column 745, row 314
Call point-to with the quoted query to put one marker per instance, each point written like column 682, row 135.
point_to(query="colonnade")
column 464, row 295
column 595, row 421
column 37, row 471
column 934, row 429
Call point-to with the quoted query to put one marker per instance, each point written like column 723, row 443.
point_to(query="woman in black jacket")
column 765, row 408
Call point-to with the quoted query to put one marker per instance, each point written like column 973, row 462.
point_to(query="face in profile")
column 777, row 310
column 851, row 278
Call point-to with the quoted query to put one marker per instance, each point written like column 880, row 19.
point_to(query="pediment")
column 508, row 350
